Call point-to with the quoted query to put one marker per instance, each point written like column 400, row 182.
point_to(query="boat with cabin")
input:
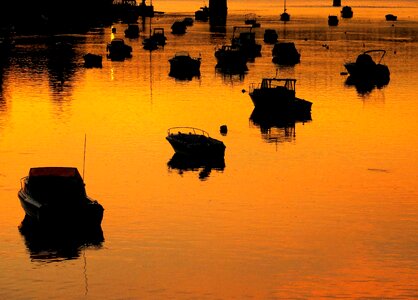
column 132, row 31
column 333, row 20
column 346, row 12
column 178, row 27
column 270, row 36
column 182, row 65
column 230, row 59
column 56, row 196
column 193, row 141
column 391, row 17
column 278, row 94
column 92, row 60
column 118, row 50
column 365, row 71
column 284, row 17
column 202, row 14
column 285, row 53
column 243, row 37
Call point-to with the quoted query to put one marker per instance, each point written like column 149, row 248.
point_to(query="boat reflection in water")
column 204, row 165
column 54, row 245
column 276, row 126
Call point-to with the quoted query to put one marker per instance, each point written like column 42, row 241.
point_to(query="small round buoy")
column 243, row 91
column 224, row 129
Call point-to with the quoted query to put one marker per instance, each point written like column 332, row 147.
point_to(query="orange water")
column 327, row 208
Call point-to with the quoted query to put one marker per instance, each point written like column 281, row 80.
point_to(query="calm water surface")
column 322, row 209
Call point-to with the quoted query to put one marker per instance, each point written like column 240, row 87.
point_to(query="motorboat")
column 390, row 17
column 193, row 141
column 244, row 38
column 182, row 65
column 366, row 69
column 156, row 39
column 284, row 17
column 270, row 36
column 118, row 50
column 202, row 14
column 333, row 20
column 178, row 27
column 285, row 53
column 132, row 31
column 278, row 94
column 159, row 36
column 56, row 196
column 230, row 59
column 92, row 60
column 346, row 12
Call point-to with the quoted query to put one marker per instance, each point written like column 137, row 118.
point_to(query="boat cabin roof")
column 288, row 83
column 54, row 171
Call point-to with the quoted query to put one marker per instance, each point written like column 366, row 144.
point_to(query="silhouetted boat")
column 244, row 38
column 230, row 59
column 56, row 196
column 118, row 50
column 202, row 14
column 390, row 17
column 270, row 36
column 285, row 17
column 285, row 53
column 194, row 142
column 132, row 31
column 159, row 36
column 346, row 12
column 333, row 20
column 178, row 27
column 92, row 60
column 251, row 19
column 279, row 94
column 182, row 65
column 336, row 3
column 366, row 69
column 156, row 39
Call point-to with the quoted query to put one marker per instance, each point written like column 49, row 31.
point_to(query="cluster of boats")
column 57, row 195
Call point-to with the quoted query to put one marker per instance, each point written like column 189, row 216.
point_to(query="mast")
column 84, row 158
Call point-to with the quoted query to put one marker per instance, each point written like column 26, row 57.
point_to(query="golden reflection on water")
column 326, row 209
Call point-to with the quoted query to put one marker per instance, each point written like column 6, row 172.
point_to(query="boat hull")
column 212, row 147
column 90, row 213
column 269, row 101
column 184, row 67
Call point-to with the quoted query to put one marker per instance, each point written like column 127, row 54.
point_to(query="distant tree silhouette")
column 54, row 16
